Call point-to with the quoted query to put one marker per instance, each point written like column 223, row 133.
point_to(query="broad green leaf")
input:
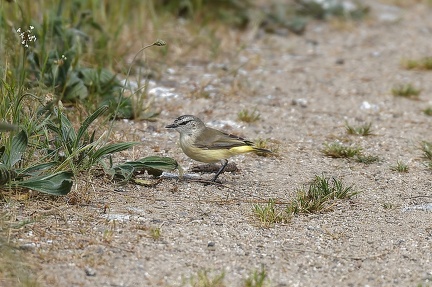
column 121, row 107
column 154, row 165
column 90, row 119
column 158, row 162
column 18, row 147
column 76, row 90
column 103, row 78
column 125, row 172
column 55, row 184
column 68, row 134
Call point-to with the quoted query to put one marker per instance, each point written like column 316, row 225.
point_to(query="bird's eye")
column 183, row 123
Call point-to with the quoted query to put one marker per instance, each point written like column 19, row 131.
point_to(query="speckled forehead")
column 183, row 119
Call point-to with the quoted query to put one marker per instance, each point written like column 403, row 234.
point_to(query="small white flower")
column 26, row 36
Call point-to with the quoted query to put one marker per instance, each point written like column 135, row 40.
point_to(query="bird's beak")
column 171, row 126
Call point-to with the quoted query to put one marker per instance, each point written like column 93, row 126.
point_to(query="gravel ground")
column 306, row 88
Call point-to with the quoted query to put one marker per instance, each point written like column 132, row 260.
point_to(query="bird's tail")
column 261, row 150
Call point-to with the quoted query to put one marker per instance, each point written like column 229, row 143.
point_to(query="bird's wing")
column 214, row 139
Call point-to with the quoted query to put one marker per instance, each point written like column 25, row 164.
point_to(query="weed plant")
column 363, row 130
column 426, row 147
column 205, row 279
column 418, row 64
column 268, row 214
column 366, row 159
column 428, row 111
column 319, row 195
column 400, row 167
column 43, row 71
column 338, row 150
column 248, row 116
column 406, row 91
column 256, row 279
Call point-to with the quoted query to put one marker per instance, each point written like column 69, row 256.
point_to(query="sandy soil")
column 305, row 89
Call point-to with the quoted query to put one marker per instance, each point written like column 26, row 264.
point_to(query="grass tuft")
column 426, row 147
column 406, row 91
column 428, row 111
column 268, row 214
column 257, row 279
column 155, row 233
column 248, row 116
column 319, row 195
column 366, row 159
column 400, row 167
column 418, row 64
column 388, row 205
column 204, row 279
column 337, row 150
column 363, row 130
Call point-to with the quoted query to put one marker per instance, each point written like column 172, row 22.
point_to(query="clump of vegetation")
column 362, row 130
column 338, row 150
column 319, row 195
column 366, row 159
column 406, row 91
column 257, row 279
column 248, row 116
column 388, row 205
column 46, row 70
column 327, row 9
column 205, row 279
column 400, row 167
column 271, row 17
column 428, row 111
column 424, row 63
column 155, row 233
column 268, row 214
column 426, row 147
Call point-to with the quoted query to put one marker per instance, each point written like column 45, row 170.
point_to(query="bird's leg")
column 224, row 164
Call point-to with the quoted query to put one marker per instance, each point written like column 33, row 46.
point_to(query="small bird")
column 209, row 145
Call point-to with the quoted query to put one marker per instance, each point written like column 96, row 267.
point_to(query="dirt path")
column 335, row 74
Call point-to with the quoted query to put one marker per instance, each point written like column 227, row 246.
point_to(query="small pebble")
column 211, row 245
column 300, row 102
column 89, row 271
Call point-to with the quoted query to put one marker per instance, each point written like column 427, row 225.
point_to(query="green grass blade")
column 111, row 148
column 55, row 184
column 90, row 119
